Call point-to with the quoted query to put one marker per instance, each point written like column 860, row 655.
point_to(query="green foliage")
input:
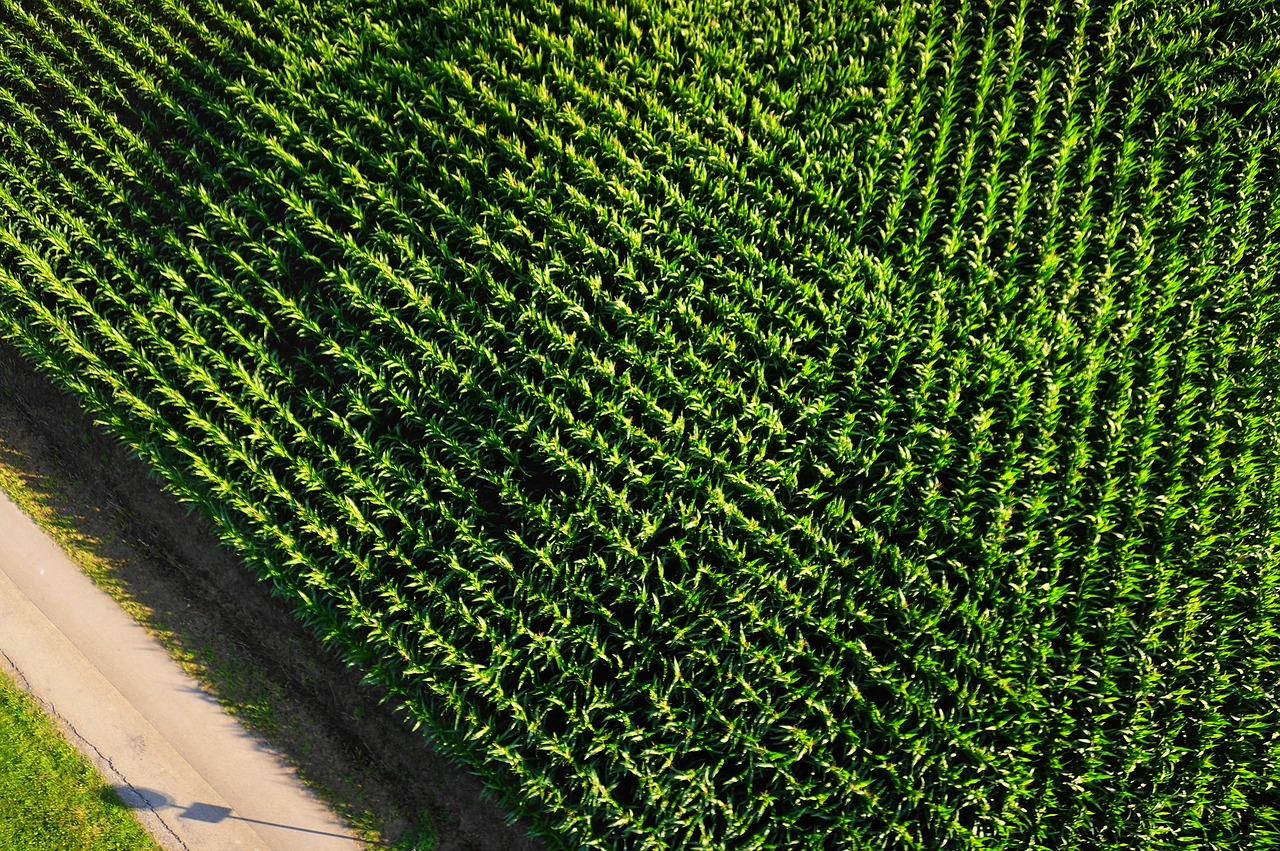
column 53, row 799
column 722, row 426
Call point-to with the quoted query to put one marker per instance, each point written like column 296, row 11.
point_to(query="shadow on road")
column 136, row 798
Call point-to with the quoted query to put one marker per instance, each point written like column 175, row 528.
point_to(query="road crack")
column 102, row 759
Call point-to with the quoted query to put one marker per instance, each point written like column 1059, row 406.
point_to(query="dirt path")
column 195, row 777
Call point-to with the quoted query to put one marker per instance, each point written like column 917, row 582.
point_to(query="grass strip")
column 50, row 796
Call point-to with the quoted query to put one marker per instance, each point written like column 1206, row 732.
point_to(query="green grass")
column 51, row 798
column 822, row 425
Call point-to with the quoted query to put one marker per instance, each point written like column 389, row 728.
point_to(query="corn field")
column 823, row 425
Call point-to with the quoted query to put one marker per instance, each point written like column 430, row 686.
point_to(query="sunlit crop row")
column 719, row 425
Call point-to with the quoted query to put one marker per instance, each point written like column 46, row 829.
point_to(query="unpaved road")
column 196, row 779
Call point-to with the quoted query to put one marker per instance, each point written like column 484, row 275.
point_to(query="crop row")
column 701, row 478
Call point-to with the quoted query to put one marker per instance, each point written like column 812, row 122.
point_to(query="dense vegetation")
column 51, row 799
column 831, row 425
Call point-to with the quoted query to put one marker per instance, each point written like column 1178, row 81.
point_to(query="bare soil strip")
column 198, row 779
